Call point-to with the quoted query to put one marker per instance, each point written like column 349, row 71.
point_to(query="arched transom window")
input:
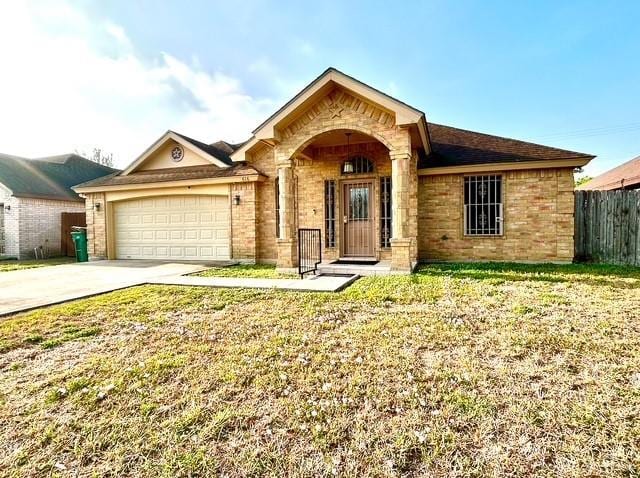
column 357, row 165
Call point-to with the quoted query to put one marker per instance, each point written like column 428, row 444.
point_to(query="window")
column 330, row 213
column 483, row 205
column 357, row 165
column 277, row 199
column 385, row 212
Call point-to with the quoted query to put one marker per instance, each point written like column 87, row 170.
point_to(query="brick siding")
column 538, row 218
column 31, row 223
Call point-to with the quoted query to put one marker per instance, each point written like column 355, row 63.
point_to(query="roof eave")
column 405, row 114
column 505, row 166
column 253, row 177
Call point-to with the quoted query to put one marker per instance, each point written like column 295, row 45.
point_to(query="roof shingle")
column 458, row 147
column 50, row 177
column 627, row 175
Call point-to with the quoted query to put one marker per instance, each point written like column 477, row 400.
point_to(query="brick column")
column 287, row 249
column 401, row 241
column 96, row 226
column 243, row 222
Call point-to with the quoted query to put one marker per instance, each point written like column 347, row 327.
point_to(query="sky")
column 116, row 75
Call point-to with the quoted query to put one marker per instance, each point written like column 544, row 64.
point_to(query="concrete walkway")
column 32, row 288
column 311, row 284
column 28, row 289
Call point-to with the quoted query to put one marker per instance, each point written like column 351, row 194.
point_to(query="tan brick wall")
column 266, row 250
column 337, row 111
column 243, row 222
column 40, row 224
column 31, row 223
column 96, row 226
column 538, row 218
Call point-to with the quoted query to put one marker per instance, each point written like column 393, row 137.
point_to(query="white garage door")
column 173, row 227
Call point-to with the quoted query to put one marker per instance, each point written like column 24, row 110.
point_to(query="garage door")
column 173, row 227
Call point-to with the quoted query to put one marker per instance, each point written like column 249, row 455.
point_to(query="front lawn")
column 258, row 271
column 458, row 370
column 7, row 265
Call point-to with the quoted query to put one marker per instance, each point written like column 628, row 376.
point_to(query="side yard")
column 458, row 370
column 7, row 265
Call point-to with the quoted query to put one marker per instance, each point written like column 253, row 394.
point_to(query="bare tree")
column 98, row 156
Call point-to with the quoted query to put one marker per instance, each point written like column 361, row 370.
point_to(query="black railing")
column 309, row 250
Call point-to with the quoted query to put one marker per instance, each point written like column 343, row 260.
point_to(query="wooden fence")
column 607, row 227
column 67, row 221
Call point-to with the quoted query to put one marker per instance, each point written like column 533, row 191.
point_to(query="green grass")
column 259, row 271
column 457, row 370
column 8, row 265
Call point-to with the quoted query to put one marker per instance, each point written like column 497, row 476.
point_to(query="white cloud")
column 72, row 82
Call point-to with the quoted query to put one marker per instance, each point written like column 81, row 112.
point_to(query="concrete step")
column 355, row 269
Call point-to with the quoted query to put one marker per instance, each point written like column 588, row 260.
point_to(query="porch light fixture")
column 347, row 166
column 7, row 207
column 97, row 206
column 236, row 200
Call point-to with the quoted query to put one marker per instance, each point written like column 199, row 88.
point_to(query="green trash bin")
column 79, row 237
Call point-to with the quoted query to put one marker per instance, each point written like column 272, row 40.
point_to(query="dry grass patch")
column 454, row 371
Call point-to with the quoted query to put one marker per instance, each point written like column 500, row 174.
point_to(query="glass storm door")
column 358, row 219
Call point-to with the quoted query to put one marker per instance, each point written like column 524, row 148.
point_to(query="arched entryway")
column 342, row 186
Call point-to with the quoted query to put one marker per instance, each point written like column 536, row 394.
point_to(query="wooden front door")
column 358, row 219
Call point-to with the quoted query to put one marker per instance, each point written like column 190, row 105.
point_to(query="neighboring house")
column 33, row 194
column 625, row 176
column 369, row 171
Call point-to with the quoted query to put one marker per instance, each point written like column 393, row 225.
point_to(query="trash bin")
column 79, row 237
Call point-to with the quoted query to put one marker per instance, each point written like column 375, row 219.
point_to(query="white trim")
column 7, row 189
column 404, row 114
column 488, row 167
column 161, row 141
column 168, row 184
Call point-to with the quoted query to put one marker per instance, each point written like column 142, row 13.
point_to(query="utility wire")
column 590, row 132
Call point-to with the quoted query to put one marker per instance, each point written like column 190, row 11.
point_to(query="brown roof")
column 172, row 174
column 624, row 176
column 459, row 147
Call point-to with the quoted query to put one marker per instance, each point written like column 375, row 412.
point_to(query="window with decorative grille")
column 385, row 212
column 330, row 213
column 277, row 199
column 483, row 205
column 357, row 165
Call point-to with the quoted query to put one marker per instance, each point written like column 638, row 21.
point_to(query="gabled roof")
column 50, row 177
column 623, row 176
column 404, row 113
column 209, row 152
column 458, row 147
column 333, row 75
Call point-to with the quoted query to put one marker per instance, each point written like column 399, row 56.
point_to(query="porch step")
column 379, row 269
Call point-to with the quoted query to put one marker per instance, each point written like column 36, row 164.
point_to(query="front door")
column 358, row 219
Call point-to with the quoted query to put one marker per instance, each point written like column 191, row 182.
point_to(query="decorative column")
column 401, row 240
column 287, row 249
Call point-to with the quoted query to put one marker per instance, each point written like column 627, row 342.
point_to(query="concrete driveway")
column 31, row 288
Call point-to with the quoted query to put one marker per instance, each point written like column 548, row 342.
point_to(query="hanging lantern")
column 347, row 166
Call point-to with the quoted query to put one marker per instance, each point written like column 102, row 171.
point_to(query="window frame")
column 386, row 220
column 501, row 211
column 330, row 188
column 355, row 160
column 276, row 187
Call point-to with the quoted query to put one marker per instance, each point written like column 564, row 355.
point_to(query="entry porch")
column 358, row 193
